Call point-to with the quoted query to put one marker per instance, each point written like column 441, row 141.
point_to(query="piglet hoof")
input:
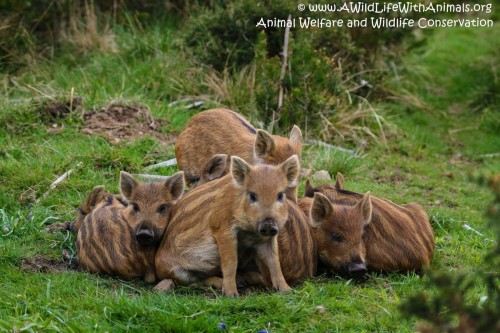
column 284, row 288
column 150, row 277
column 166, row 285
column 213, row 281
column 230, row 293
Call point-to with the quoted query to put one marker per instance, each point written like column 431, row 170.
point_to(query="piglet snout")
column 145, row 236
column 268, row 228
column 357, row 269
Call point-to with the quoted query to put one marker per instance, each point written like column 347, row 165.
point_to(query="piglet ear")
column 365, row 208
column 309, row 190
column 321, row 209
column 175, row 185
column 264, row 143
column 339, row 185
column 291, row 169
column 296, row 135
column 215, row 167
column 127, row 184
column 239, row 170
column 95, row 196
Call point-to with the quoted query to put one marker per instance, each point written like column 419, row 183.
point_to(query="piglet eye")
column 281, row 196
column 334, row 238
column 135, row 207
column 252, row 197
column 162, row 209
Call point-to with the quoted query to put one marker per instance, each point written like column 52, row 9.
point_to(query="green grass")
column 420, row 164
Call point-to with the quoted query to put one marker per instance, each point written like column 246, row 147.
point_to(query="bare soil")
column 58, row 227
column 51, row 110
column 118, row 122
column 40, row 264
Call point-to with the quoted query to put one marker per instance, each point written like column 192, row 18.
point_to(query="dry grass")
column 86, row 31
column 401, row 92
column 348, row 119
column 409, row 99
column 358, row 123
column 237, row 90
column 17, row 44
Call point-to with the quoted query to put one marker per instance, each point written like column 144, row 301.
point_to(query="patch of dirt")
column 458, row 159
column 119, row 122
column 40, row 264
column 58, row 227
column 29, row 195
column 52, row 110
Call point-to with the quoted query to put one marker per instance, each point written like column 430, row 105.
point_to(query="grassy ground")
column 445, row 118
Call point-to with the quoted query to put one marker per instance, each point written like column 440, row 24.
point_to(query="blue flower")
column 222, row 326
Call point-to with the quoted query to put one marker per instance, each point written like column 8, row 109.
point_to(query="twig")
column 468, row 227
column 56, row 182
column 71, row 99
column 194, row 104
column 184, row 100
column 456, row 130
column 168, row 163
column 283, row 68
column 284, row 64
column 179, row 101
column 40, row 92
column 489, row 155
column 152, row 177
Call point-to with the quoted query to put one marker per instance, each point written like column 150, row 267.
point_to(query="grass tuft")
column 87, row 32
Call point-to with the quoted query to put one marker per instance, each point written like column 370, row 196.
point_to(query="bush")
column 227, row 36
column 451, row 309
column 325, row 83
column 30, row 30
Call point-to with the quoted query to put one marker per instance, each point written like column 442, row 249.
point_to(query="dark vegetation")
column 450, row 309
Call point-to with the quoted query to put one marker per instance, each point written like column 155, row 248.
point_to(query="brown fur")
column 339, row 184
column 394, row 238
column 118, row 239
column 213, row 169
column 217, row 229
column 222, row 131
column 295, row 244
column 297, row 247
column 309, row 188
column 95, row 197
